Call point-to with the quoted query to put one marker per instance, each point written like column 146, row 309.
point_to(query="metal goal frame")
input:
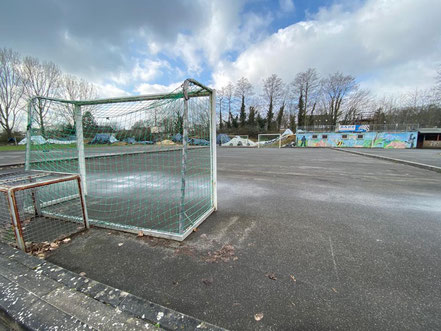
column 198, row 90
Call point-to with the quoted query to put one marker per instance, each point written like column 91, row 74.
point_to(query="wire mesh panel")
column 6, row 228
column 39, row 207
column 147, row 162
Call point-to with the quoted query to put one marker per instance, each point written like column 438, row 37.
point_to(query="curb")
column 410, row 163
column 45, row 283
column 11, row 165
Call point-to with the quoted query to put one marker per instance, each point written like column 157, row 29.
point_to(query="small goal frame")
column 269, row 134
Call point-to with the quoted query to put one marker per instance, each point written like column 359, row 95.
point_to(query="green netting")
column 140, row 171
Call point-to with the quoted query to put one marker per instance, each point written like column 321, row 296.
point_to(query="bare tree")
column 273, row 92
column 41, row 79
column 306, row 87
column 358, row 104
column 336, row 88
column 11, row 89
column 437, row 88
column 220, row 99
column 74, row 88
column 243, row 90
column 228, row 95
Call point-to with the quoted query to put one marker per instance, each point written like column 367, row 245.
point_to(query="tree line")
column 310, row 99
column 22, row 77
column 314, row 100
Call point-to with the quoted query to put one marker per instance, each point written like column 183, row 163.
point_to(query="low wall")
column 362, row 139
column 432, row 144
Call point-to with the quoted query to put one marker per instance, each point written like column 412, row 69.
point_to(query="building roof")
column 429, row 130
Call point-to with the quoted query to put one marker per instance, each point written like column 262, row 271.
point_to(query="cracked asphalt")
column 310, row 238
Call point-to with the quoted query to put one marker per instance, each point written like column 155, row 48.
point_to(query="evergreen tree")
column 251, row 116
column 221, row 124
column 273, row 92
column 280, row 116
column 235, row 121
column 89, row 121
column 269, row 116
column 243, row 115
column 243, row 90
column 260, row 122
column 301, row 117
column 292, row 122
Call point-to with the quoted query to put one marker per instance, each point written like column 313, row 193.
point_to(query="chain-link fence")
column 402, row 127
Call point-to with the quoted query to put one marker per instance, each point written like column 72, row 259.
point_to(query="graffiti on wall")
column 366, row 139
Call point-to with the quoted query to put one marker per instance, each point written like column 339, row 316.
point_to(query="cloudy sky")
column 146, row 46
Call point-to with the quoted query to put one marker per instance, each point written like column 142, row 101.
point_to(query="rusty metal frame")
column 12, row 202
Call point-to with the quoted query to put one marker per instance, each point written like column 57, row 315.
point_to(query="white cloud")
column 149, row 69
column 146, row 88
column 110, row 91
column 391, row 44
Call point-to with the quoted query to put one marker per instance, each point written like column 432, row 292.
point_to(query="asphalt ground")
column 309, row 238
column 425, row 156
column 11, row 157
column 44, row 153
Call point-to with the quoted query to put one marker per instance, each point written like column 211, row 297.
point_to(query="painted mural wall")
column 365, row 139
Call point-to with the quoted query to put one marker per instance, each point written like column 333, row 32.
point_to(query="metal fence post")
column 80, row 146
column 28, row 137
column 16, row 220
column 213, row 150
column 184, row 157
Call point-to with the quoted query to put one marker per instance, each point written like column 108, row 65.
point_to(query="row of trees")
column 311, row 99
column 24, row 77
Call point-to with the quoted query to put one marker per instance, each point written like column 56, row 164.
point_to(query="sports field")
column 310, row 238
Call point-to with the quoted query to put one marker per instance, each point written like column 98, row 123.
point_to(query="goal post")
column 269, row 140
column 147, row 163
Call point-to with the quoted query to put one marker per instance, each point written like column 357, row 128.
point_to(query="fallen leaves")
column 258, row 316
column 140, row 233
column 40, row 249
column 224, row 254
column 207, row 281
column 271, row 276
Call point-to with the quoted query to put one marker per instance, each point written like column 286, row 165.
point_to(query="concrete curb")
column 410, row 163
column 36, row 294
column 11, row 165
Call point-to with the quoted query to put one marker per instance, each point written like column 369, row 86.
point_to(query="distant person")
column 303, row 140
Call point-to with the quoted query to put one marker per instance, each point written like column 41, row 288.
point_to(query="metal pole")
column 28, row 137
column 83, row 204
column 184, row 157
column 80, row 146
column 213, row 150
column 16, row 220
